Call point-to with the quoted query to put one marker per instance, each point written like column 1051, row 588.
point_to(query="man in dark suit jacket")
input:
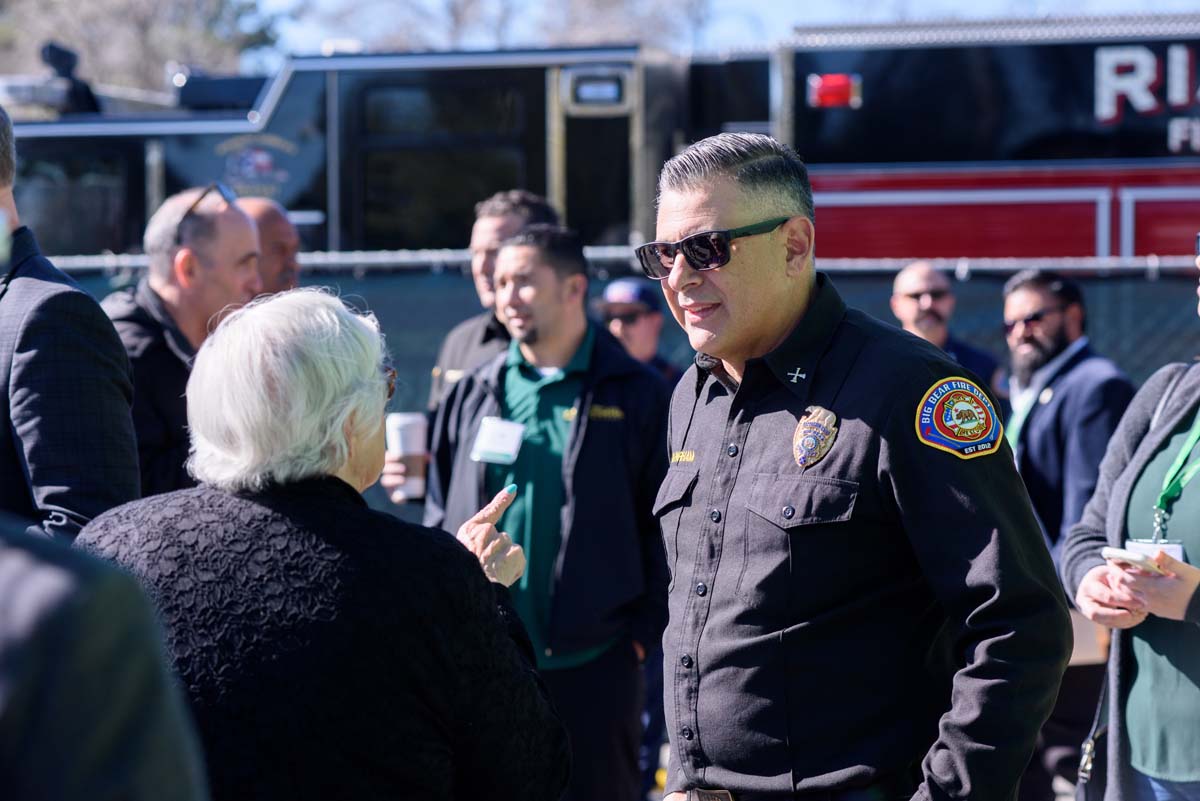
column 1066, row 401
column 68, row 451
column 88, row 708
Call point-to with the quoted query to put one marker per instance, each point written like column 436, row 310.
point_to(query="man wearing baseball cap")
column 632, row 311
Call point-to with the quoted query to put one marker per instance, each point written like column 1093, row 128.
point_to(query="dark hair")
column 521, row 203
column 560, row 247
column 758, row 164
column 1064, row 290
column 8, row 151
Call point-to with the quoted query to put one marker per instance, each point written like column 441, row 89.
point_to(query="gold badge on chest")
column 814, row 436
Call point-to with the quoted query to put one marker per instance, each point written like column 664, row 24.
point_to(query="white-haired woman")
column 329, row 651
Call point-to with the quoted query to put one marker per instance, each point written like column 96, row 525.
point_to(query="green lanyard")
column 1178, row 476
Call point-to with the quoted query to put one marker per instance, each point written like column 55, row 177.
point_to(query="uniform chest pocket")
column 674, row 496
column 790, row 501
column 780, row 508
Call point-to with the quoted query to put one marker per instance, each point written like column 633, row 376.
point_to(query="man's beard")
column 528, row 337
column 1024, row 366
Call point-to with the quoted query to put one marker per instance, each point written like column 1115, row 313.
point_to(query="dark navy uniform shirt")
column 890, row 601
column 473, row 342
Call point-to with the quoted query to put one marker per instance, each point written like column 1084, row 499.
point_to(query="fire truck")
column 1017, row 139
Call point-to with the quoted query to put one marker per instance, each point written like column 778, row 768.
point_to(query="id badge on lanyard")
column 1178, row 476
column 498, row 441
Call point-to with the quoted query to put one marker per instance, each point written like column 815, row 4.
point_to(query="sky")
column 757, row 24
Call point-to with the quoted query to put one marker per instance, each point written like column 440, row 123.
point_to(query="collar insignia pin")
column 1045, row 396
column 796, row 375
column 814, row 436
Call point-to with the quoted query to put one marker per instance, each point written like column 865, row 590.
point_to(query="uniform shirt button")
column 549, row 652
column 715, row 516
column 686, row 733
column 701, row 589
column 789, row 512
column 686, row 661
column 731, row 450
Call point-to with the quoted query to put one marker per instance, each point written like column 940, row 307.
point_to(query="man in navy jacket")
column 1066, row 401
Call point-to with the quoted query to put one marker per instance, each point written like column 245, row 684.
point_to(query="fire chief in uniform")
column 861, row 604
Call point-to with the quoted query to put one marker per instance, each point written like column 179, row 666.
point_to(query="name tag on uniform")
column 1173, row 548
column 498, row 441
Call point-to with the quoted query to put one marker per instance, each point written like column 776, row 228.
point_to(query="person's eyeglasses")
column 221, row 189
column 1032, row 319
column 707, row 250
column 389, row 374
column 626, row 318
column 934, row 294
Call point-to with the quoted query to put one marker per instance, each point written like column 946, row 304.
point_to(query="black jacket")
column 162, row 361
column 330, row 651
column 67, row 449
column 610, row 577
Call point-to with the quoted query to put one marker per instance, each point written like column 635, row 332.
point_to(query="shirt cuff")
column 1192, row 614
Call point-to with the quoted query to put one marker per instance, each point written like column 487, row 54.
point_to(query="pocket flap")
column 675, row 487
column 789, row 501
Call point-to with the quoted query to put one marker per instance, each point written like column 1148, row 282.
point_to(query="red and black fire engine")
column 1047, row 138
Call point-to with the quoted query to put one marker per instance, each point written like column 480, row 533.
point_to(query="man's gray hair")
column 168, row 230
column 274, row 387
column 8, row 151
column 760, row 166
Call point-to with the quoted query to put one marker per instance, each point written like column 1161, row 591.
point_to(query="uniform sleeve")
column 1092, row 423
column 511, row 742
column 70, row 400
column 109, row 701
column 1081, row 547
column 650, row 618
column 974, row 535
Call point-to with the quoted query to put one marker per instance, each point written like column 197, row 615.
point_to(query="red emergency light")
column 834, row 90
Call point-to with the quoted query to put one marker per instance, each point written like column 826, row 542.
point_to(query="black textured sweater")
column 330, row 651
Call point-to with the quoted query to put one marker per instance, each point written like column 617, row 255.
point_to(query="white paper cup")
column 406, row 434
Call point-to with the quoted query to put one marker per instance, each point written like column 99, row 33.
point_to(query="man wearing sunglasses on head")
column 861, row 605
column 203, row 251
column 923, row 302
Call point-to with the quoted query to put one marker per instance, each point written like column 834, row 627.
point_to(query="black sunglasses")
column 626, row 318
column 1032, row 319
column 221, row 189
column 707, row 250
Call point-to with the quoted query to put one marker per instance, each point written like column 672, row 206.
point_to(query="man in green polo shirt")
column 579, row 426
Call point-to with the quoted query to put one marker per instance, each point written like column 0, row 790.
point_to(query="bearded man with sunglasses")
column 861, row 606
column 203, row 251
column 1066, row 400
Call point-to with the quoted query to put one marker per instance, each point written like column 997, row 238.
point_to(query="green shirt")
column 1163, row 709
column 545, row 402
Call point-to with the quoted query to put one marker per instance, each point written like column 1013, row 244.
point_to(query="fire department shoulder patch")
column 956, row 416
